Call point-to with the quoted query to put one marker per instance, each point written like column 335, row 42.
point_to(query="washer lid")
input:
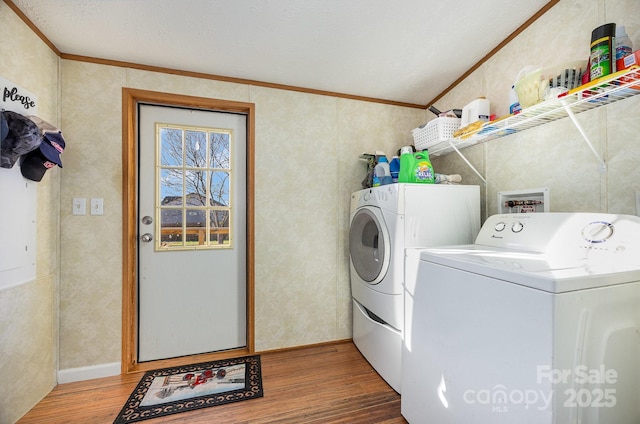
column 554, row 273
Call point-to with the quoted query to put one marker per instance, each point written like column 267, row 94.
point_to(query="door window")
column 194, row 186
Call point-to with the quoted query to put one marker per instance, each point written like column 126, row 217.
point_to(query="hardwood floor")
column 320, row 384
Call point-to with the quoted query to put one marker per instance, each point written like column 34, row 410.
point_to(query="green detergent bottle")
column 416, row 168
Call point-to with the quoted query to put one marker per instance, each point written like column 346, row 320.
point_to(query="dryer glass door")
column 369, row 245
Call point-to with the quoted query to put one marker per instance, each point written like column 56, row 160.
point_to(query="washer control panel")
column 562, row 232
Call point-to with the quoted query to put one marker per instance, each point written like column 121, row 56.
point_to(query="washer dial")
column 597, row 231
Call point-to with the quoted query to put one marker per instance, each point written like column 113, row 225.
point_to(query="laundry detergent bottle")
column 382, row 172
column 416, row 168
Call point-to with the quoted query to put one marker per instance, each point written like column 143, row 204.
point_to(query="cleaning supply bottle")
column 406, row 162
column 514, row 103
column 416, row 168
column 382, row 172
column 394, row 167
column 623, row 43
column 423, row 172
column 602, row 57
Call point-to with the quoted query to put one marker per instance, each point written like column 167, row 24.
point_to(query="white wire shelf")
column 600, row 92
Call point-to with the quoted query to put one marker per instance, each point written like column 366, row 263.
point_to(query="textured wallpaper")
column 307, row 149
column 28, row 312
column 555, row 155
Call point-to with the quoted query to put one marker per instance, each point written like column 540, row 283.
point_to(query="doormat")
column 180, row 389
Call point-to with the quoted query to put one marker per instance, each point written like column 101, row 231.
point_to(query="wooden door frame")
column 130, row 99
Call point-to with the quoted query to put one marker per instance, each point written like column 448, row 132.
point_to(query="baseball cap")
column 52, row 147
column 23, row 136
column 34, row 165
column 46, row 156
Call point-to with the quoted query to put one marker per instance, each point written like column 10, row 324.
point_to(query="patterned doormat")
column 180, row 389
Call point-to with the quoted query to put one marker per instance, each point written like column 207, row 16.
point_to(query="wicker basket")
column 434, row 132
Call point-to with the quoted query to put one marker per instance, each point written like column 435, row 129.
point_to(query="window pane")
column 195, row 145
column 196, row 187
column 171, row 227
column 219, row 219
column 195, row 218
column 196, row 226
column 171, row 147
column 219, row 189
column 219, row 233
column 171, row 187
column 220, row 152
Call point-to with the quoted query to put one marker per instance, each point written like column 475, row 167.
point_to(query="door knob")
column 146, row 237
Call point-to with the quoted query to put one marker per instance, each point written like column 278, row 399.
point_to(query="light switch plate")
column 79, row 206
column 637, row 203
column 97, row 207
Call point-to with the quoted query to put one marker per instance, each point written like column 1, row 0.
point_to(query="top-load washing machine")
column 386, row 222
column 538, row 322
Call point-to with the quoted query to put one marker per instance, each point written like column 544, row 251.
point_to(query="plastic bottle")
column 477, row 110
column 602, row 51
column 375, row 180
column 382, row 172
column 394, row 167
column 623, row 43
column 514, row 103
column 406, row 162
column 416, row 168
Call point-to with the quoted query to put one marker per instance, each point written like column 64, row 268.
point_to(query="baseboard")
column 300, row 347
column 70, row 375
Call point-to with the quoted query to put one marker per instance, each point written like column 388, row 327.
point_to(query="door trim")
column 130, row 99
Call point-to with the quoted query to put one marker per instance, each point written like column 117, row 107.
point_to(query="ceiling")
column 406, row 51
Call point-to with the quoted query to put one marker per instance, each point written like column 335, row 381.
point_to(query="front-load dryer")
column 385, row 222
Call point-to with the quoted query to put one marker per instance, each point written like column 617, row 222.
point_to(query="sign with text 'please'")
column 17, row 99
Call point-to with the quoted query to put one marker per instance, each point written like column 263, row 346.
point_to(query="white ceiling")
column 405, row 51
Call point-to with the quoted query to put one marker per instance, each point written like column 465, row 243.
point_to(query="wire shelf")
column 600, row 92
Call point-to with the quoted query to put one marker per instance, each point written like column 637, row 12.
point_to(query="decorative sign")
column 17, row 99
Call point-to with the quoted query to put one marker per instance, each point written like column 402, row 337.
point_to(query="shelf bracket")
column 467, row 161
column 567, row 108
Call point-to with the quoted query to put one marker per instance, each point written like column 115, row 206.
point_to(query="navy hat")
column 47, row 156
column 23, row 136
column 52, row 147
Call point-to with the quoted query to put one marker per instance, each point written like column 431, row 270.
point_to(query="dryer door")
column 369, row 246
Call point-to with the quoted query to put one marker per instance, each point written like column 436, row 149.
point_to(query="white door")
column 191, row 232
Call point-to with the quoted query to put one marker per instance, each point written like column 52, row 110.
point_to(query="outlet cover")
column 79, row 206
column 97, row 207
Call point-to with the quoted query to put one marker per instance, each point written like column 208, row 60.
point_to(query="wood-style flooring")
column 319, row 384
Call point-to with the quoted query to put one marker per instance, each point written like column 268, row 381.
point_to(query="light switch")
column 97, row 206
column 79, row 206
